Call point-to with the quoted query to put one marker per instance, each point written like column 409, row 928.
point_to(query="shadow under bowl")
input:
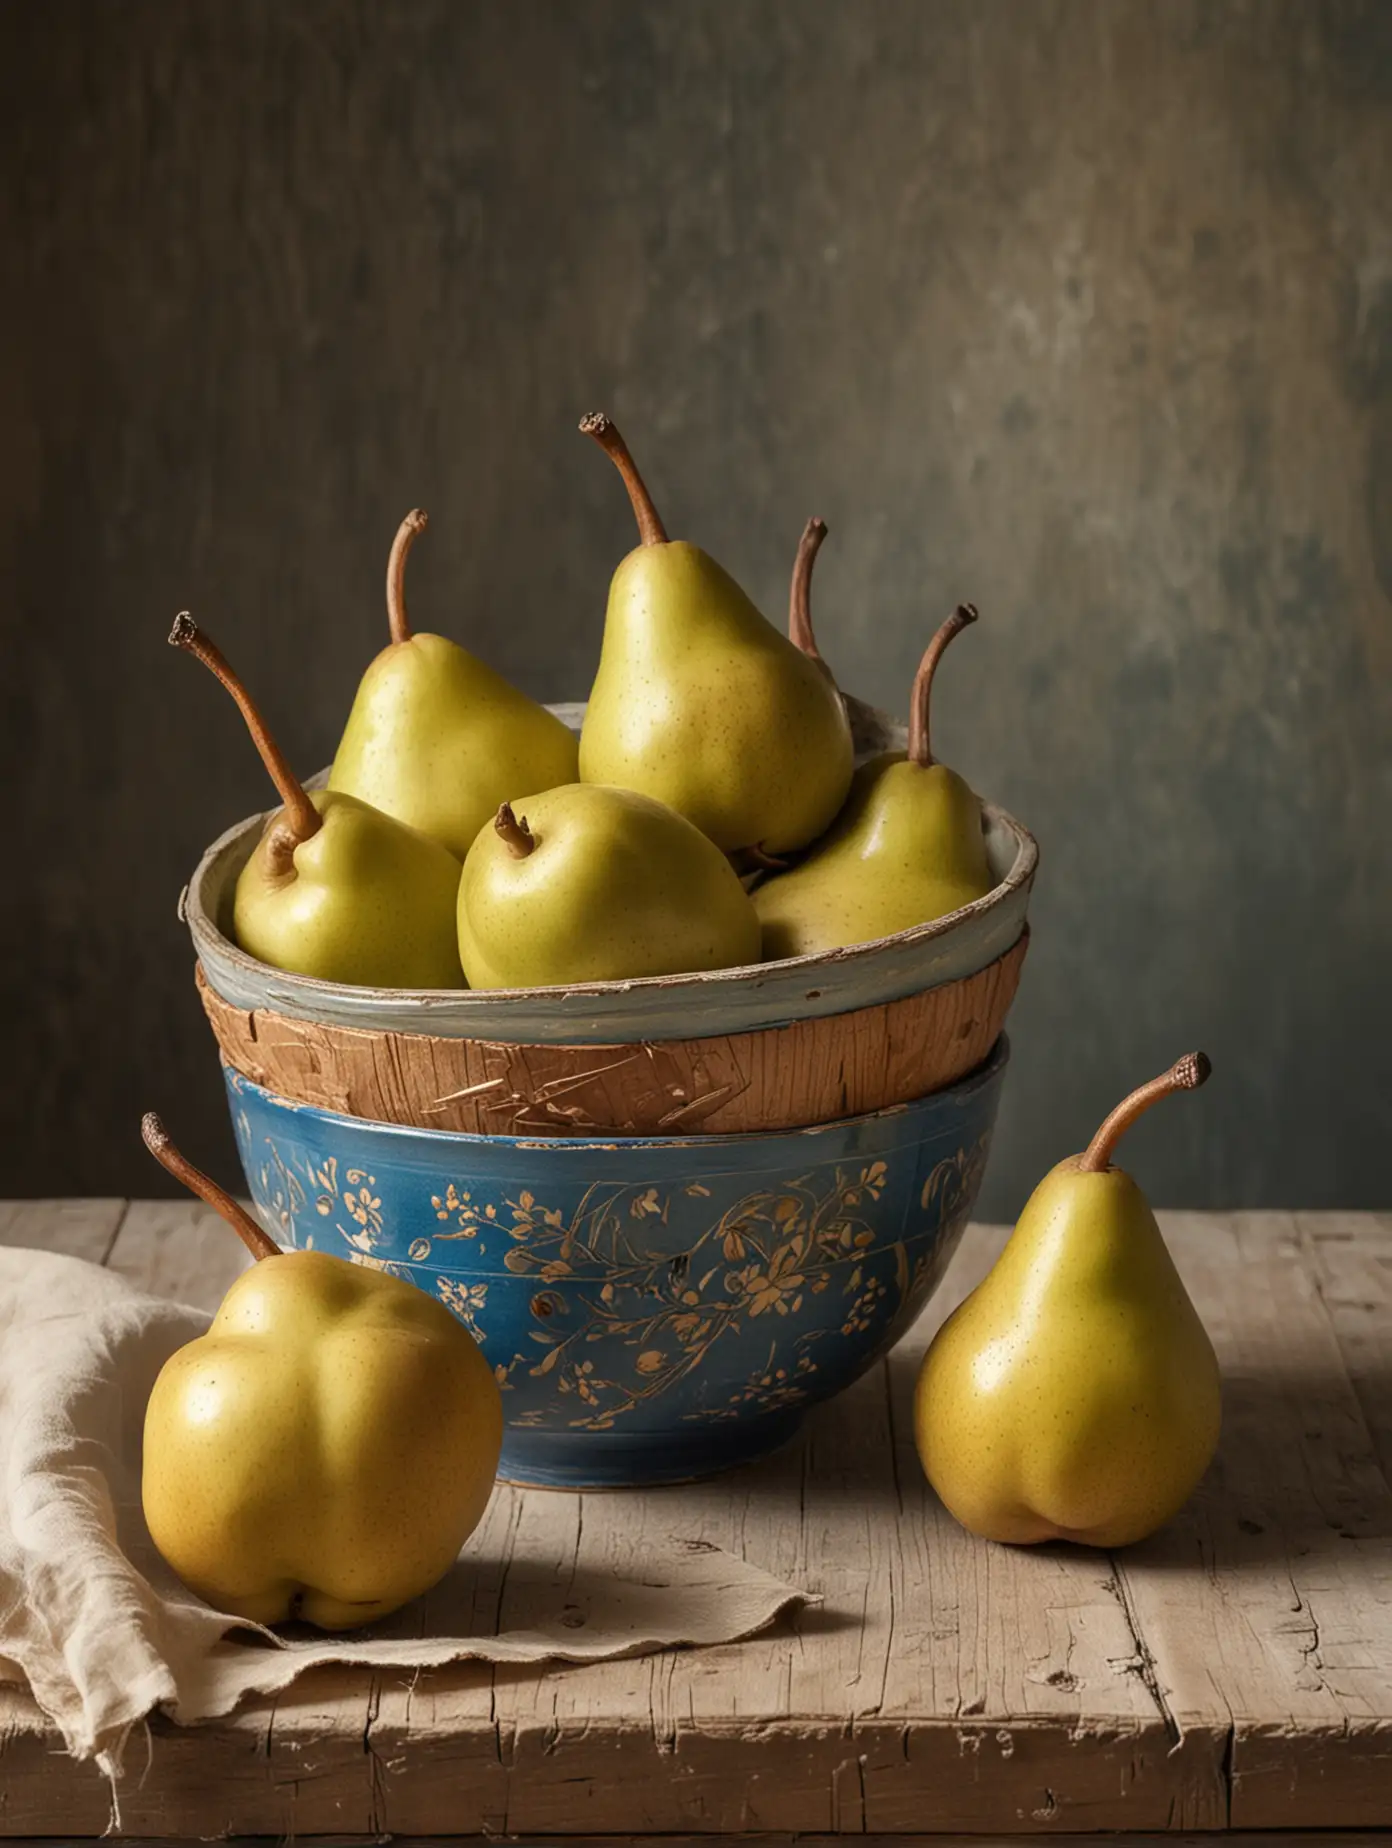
column 654, row 1309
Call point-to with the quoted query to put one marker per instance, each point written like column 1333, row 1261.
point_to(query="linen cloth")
column 101, row 1630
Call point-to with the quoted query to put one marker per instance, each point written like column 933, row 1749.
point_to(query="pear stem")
column 651, row 531
column 407, row 534
column 518, row 836
column 920, row 751
column 800, row 596
column 156, row 1139
column 302, row 819
column 1186, row 1074
column 755, row 860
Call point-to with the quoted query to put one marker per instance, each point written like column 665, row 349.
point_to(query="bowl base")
column 588, row 1460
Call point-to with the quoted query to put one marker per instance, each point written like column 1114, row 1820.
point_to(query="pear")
column 327, row 1447
column 438, row 739
column 1074, row 1395
column 334, row 888
column 701, row 703
column 594, row 884
column 907, row 847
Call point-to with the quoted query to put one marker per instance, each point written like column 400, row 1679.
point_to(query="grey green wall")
column 1080, row 310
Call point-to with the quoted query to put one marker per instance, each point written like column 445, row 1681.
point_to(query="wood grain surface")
column 811, row 1071
column 1233, row 1672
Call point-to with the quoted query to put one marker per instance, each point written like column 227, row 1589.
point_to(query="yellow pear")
column 594, row 884
column 907, row 847
column 334, row 888
column 327, row 1447
column 436, row 738
column 701, row 703
column 1075, row 1394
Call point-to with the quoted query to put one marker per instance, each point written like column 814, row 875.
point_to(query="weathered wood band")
column 811, row 1071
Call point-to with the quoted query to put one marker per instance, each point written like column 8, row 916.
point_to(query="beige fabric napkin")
column 102, row 1632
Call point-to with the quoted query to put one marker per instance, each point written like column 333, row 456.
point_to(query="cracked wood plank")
column 1266, row 1606
column 1350, row 1255
column 79, row 1228
column 180, row 1249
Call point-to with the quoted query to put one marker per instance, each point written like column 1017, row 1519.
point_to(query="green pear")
column 594, row 884
column 701, row 703
column 327, row 1447
column 436, row 738
column 1074, row 1395
column 907, row 847
column 334, row 888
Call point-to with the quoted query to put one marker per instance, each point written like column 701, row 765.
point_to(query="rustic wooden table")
column 1234, row 1672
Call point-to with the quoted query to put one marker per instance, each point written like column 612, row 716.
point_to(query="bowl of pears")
column 658, row 1036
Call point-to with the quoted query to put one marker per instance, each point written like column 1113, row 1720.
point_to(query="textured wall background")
column 1081, row 310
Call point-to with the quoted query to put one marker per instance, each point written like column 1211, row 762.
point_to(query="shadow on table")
column 1297, row 1474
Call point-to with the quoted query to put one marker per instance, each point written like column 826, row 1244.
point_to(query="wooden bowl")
column 809, row 1071
column 656, row 1010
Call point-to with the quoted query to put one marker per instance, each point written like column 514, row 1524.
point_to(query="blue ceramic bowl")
column 654, row 1310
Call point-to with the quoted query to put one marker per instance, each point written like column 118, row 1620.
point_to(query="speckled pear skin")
column 618, row 886
column 325, row 1450
column 907, row 848
column 438, row 740
column 703, row 704
column 370, row 901
column 1075, row 1394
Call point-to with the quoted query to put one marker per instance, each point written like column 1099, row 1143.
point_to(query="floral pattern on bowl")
column 653, row 1309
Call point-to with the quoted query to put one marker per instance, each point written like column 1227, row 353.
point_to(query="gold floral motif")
column 762, row 1257
column 953, row 1184
column 363, row 1205
column 870, row 1293
column 772, row 1388
column 287, row 1197
column 368, row 1262
column 948, row 1193
column 465, row 1299
column 282, row 1191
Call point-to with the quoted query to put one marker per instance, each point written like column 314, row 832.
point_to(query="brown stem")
column 156, row 1138
column 302, row 819
column 920, row 751
column 755, row 860
column 1186, row 1074
column 800, row 596
column 651, row 531
column 407, row 534
column 519, row 837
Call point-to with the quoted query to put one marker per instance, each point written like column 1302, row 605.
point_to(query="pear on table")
column 335, row 888
column 435, row 737
column 327, row 1447
column 701, row 703
column 907, row 847
column 1075, row 1394
column 593, row 884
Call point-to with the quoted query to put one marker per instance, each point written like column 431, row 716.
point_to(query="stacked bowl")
column 677, row 1211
